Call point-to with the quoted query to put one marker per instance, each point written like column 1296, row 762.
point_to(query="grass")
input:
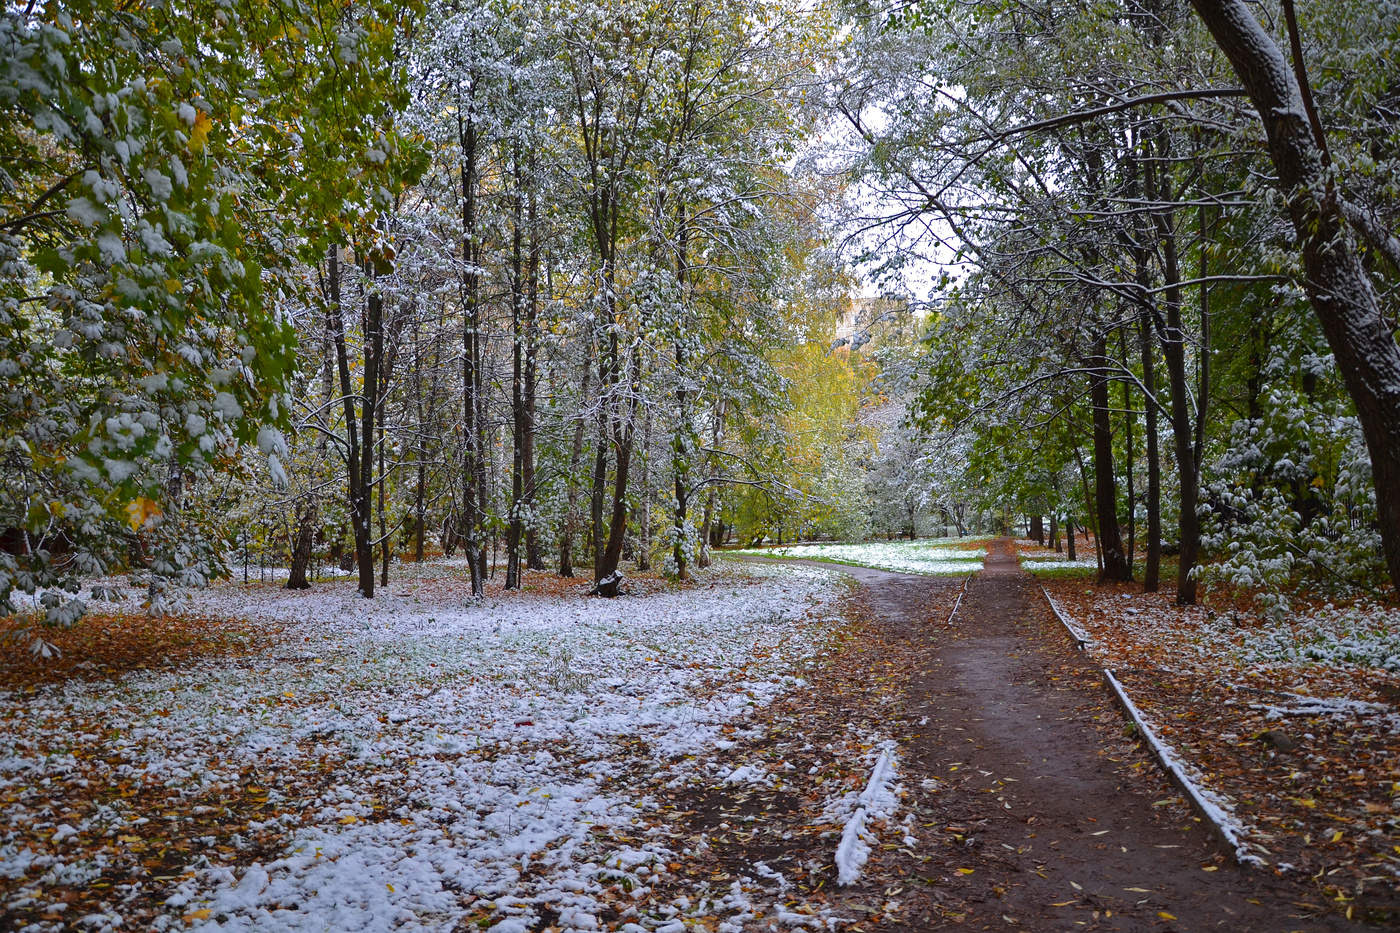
column 925, row 557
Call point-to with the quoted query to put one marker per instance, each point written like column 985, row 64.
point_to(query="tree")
column 1341, row 292
column 157, row 202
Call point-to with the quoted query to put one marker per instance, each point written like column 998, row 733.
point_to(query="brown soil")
column 1034, row 806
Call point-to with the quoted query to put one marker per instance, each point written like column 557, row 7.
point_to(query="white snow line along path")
column 1211, row 806
column 877, row 801
column 1081, row 640
column 1214, row 809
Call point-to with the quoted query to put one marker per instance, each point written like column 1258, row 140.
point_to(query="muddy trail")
column 1034, row 806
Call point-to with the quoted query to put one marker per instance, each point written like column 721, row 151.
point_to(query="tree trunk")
column 1342, row 295
column 516, row 534
column 1129, row 417
column 1151, row 575
column 1038, row 529
column 570, row 524
column 707, row 525
column 600, row 470
column 374, row 351
column 606, row 579
column 1172, row 334
column 301, row 547
column 1055, row 531
column 682, row 449
column 356, row 493
column 473, row 469
column 534, row 559
column 385, row 539
column 1115, row 562
column 1069, row 536
column 644, row 506
column 1088, row 505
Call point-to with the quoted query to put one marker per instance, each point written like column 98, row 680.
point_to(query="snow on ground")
column 876, row 803
column 925, row 556
column 1219, row 809
column 1328, row 642
column 1290, row 725
column 1045, row 563
column 428, row 760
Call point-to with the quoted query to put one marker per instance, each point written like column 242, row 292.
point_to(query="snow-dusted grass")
column 427, row 759
column 1363, row 635
column 934, row 556
column 1043, row 566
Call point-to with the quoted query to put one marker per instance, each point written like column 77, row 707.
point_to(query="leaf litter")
column 1294, row 722
column 419, row 762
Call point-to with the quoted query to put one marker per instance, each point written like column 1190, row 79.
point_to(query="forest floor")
column 715, row 757
column 1293, row 724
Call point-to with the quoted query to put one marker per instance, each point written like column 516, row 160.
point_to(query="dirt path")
column 1035, row 809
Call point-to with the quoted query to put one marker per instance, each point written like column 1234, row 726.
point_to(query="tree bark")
column 569, row 528
column 1129, row 417
column 1342, row 295
column 301, row 547
column 606, row 580
column 516, row 533
column 473, row 467
column 534, row 560
column 1172, row 334
column 374, row 352
column 1115, row 562
column 357, row 494
column 643, row 554
column 1151, row 575
column 707, row 525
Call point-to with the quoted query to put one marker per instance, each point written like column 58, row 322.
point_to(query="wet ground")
column 1035, row 807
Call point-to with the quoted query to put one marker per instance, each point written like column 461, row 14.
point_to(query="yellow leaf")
column 201, row 914
column 199, row 133
column 172, row 285
column 290, row 695
column 1165, row 916
column 347, row 820
column 1210, row 868
column 389, row 886
column 140, row 511
column 1336, row 837
column 965, row 871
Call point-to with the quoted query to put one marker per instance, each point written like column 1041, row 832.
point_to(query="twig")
column 962, row 591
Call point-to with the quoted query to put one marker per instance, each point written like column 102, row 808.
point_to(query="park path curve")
column 1036, row 809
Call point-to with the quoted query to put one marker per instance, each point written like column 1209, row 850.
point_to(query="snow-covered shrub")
column 1362, row 635
column 1293, row 507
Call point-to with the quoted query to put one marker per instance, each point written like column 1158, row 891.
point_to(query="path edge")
column 1226, row 830
column 1221, row 826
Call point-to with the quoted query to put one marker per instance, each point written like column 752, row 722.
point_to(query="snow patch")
column 877, row 802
